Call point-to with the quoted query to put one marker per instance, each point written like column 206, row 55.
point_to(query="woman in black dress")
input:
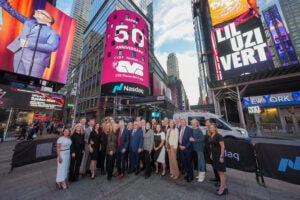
column 217, row 152
column 77, row 150
column 94, row 148
column 103, row 144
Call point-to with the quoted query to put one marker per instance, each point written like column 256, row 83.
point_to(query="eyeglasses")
column 41, row 12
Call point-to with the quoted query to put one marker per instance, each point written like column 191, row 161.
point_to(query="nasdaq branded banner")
column 240, row 155
column 241, row 49
column 222, row 11
column 283, row 44
column 125, row 64
column 12, row 97
column 32, row 48
column 279, row 161
column 28, row 152
column 268, row 100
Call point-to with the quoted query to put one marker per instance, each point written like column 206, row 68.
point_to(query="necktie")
column 133, row 132
column 119, row 138
column 181, row 135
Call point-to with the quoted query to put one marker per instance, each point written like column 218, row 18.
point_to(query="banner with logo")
column 28, row 152
column 240, row 155
column 125, row 63
column 279, row 161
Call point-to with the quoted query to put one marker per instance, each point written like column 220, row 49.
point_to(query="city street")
column 37, row 181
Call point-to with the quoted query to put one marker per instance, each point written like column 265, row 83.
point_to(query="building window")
column 133, row 54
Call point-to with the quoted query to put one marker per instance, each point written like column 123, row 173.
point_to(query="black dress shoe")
column 189, row 180
column 225, row 191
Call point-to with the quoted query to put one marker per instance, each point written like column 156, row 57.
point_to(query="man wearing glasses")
column 33, row 47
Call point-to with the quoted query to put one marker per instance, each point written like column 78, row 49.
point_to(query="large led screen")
column 283, row 44
column 13, row 97
column 241, row 49
column 35, row 39
column 222, row 11
column 125, row 64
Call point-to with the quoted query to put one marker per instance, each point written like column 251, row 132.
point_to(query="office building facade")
column 172, row 65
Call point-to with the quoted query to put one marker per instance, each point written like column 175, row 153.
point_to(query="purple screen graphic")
column 126, row 50
column 284, row 47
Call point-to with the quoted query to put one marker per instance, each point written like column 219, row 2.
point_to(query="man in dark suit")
column 136, row 145
column 122, row 145
column 186, row 149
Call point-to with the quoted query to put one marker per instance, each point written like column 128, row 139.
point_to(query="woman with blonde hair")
column 110, row 149
column 198, row 146
column 77, row 150
column 217, row 155
column 172, row 145
column 63, row 158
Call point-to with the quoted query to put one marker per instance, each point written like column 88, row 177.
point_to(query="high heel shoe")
column 225, row 191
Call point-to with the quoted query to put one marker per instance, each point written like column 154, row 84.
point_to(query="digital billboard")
column 13, row 97
column 35, row 39
column 222, row 11
column 285, row 49
column 240, row 49
column 125, row 63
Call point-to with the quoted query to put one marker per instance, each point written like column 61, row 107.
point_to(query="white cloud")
column 173, row 20
column 188, row 72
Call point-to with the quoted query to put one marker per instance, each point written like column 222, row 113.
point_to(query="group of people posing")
column 171, row 146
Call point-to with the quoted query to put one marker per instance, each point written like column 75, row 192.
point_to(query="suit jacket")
column 124, row 140
column 136, row 140
column 188, row 132
column 48, row 39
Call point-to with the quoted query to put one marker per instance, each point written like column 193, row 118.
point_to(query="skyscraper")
column 202, row 31
column 172, row 65
column 92, row 101
column 80, row 12
column 291, row 10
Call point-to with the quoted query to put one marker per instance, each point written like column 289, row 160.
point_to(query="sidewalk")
column 37, row 181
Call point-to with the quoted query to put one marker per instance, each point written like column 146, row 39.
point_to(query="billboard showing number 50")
column 125, row 64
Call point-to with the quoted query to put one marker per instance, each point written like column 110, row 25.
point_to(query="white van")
column 225, row 128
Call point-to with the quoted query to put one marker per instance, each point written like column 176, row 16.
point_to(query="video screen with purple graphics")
column 125, row 64
column 283, row 44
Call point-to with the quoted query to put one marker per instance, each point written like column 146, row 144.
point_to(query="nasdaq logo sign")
column 118, row 88
column 286, row 163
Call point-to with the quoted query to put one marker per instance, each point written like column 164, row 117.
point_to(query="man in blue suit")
column 135, row 148
column 186, row 149
column 122, row 145
column 33, row 47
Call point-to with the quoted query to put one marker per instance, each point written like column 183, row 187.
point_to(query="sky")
column 174, row 33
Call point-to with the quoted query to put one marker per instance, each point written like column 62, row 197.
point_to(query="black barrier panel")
column 279, row 161
column 240, row 155
column 33, row 151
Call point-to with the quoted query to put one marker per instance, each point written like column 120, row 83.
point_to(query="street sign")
column 70, row 105
column 253, row 109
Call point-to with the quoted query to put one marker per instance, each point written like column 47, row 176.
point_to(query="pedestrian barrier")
column 28, row 152
column 279, row 161
column 276, row 161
